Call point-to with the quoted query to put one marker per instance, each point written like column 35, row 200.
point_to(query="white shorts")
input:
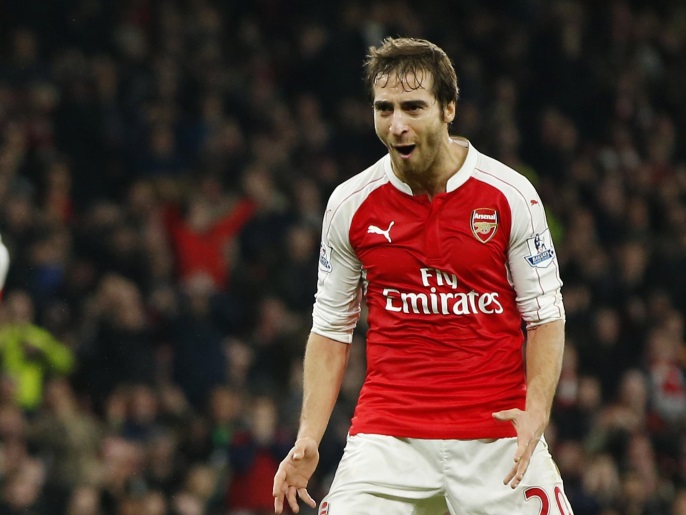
column 405, row 476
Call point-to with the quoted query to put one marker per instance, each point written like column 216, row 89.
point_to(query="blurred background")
column 164, row 167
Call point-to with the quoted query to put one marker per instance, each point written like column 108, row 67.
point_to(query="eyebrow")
column 407, row 104
column 382, row 104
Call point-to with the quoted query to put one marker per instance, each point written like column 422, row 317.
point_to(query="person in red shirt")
column 201, row 238
column 254, row 458
column 452, row 253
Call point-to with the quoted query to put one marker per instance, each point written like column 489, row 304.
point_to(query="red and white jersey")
column 447, row 283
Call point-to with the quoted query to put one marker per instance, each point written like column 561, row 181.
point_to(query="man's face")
column 410, row 121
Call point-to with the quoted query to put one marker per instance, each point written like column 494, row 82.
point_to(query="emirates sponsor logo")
column 431, row 301
column 484, row 223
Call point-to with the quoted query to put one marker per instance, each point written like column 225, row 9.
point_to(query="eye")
column 413, row 108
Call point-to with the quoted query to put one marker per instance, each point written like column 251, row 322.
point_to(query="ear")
column 449, row 112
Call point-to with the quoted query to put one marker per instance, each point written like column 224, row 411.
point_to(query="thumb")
column 298, row 453
column 508, row 414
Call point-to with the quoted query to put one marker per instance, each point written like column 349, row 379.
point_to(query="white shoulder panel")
column 337, row 302
column 532, row 262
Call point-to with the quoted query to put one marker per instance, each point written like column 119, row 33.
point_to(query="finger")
column 278, row 504
column 522, row 467
column 510, row 475
column 305, row 496
column 522, row 449
column 297, row 454
column 279, row 480
column 508, row 414
column 292, row 499
column 519, row 454
column 525, row 450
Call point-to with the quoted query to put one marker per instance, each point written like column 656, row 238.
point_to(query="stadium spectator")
column 29, row 353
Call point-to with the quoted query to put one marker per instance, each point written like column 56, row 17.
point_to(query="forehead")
column 409, row 85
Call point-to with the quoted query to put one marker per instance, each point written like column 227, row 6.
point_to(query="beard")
column 421, row 161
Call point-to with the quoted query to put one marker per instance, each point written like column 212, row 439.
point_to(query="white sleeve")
column 533, row 264
column 4, row 264
column 337, row 301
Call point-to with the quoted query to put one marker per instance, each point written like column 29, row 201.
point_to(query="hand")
column 529, row 427
column 293, row 475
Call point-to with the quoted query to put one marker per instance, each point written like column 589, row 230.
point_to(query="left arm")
column 57, row 356
column 532, row 262
column 543, row 363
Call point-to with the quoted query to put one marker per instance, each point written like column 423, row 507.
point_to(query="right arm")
column 324, row 367
column 334, row 317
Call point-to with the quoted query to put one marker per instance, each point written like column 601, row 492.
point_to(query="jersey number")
column 560, row 499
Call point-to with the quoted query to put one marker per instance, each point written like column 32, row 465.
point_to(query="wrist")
column 540, row 412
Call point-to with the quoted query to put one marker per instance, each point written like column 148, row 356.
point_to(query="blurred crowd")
column 164, row 167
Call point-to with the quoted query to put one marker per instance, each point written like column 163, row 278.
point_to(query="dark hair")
column 402, row 56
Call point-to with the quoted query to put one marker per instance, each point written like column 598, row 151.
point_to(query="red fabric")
column 204, row 252
column 413, row 360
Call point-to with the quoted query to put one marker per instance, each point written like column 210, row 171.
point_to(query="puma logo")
column 375, row 230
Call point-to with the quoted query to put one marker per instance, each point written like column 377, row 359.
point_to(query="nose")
column 398, row 123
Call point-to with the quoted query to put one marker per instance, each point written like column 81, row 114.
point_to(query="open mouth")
column 405, row 150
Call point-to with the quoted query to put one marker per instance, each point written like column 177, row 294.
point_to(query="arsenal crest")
column 484, row 223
